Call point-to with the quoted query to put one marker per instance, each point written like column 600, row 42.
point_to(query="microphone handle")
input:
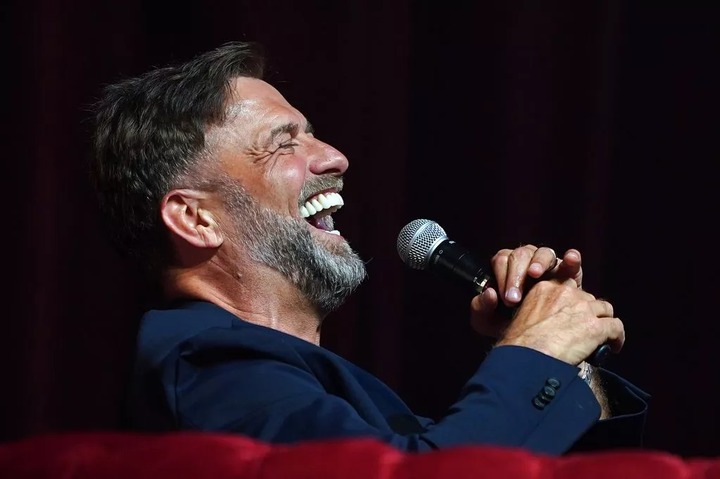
column 463, row 265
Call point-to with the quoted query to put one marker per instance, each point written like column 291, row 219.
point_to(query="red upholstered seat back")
column 192, row 455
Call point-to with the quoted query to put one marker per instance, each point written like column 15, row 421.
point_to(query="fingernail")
column 512, row 294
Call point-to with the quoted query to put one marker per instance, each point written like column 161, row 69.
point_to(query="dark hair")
column 150, row 132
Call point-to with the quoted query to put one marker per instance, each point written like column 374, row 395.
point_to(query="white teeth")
column 334, row 232
column 321, row 202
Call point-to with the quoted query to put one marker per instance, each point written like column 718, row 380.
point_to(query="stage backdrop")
column 570, row 124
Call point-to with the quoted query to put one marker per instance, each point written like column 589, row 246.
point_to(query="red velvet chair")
column 192, row 455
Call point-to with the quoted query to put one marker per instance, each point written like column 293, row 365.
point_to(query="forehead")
column 259, row 104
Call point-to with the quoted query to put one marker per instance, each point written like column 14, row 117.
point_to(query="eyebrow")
column 288, row 128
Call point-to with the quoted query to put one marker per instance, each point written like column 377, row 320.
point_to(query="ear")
column 183, row 215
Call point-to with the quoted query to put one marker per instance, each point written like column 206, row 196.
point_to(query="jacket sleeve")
column 517, row 397
column 625, row 428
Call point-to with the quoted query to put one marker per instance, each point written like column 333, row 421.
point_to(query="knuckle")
column 571, row 290
column 620, row 326
column 525, row 251
column 589, row 296
column 595, row 326
column 608, row 306
column 544, row 287
column 500, row 258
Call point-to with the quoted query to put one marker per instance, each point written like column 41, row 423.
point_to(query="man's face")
column 281, row 184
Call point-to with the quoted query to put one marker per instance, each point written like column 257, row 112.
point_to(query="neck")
column 255, row 294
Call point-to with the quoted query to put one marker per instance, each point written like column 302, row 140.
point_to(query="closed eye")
column 289, row 144
column 289, row 129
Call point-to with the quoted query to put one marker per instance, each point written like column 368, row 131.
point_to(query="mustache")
column 319, row 184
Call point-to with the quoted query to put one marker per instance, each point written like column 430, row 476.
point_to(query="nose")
column 328, row 160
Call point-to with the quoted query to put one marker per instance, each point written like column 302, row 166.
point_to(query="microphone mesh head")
column 417, row 241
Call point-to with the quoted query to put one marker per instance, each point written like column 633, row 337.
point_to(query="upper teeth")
column 321, row 202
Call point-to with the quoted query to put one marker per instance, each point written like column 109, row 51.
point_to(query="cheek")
column 293, row 176
column 287, row 183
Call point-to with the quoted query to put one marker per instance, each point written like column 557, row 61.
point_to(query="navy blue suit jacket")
column 200, row 367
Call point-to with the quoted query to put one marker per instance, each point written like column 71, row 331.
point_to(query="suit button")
column 553, row 383
column 547, row 394
column 537, row 402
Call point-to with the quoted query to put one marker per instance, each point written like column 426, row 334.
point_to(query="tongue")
column 320, row 223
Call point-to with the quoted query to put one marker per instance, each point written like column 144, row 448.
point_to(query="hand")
column 515, row 271
column 513, row 268
column 561, row 320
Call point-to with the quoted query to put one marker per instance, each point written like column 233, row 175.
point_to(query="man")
column 214, row 182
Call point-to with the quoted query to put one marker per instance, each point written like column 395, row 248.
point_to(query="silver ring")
column 556, row 260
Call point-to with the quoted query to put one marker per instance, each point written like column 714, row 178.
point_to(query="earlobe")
column 186, row 220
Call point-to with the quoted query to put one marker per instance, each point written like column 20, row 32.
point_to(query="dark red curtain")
column 573, row 124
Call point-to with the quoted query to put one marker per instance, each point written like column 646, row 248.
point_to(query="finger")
column 572, row 257
column 570, row 266
column 499, row 267
column 614, row 330
column 484, row 304
column 615, row 333
column 544, row 259
column 602, row 308
column 517, row 269
column 483, row 319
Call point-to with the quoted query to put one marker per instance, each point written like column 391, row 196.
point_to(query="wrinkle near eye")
column 265, row 151
column 257, row 154
column 275, row 142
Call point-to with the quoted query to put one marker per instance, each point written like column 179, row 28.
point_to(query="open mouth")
column 318, row 208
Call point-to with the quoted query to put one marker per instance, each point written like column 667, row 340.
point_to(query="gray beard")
column 326, row 275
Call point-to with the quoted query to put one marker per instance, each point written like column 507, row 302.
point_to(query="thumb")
column 483, row 317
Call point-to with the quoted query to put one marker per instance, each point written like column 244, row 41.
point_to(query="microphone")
column 423, row 245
